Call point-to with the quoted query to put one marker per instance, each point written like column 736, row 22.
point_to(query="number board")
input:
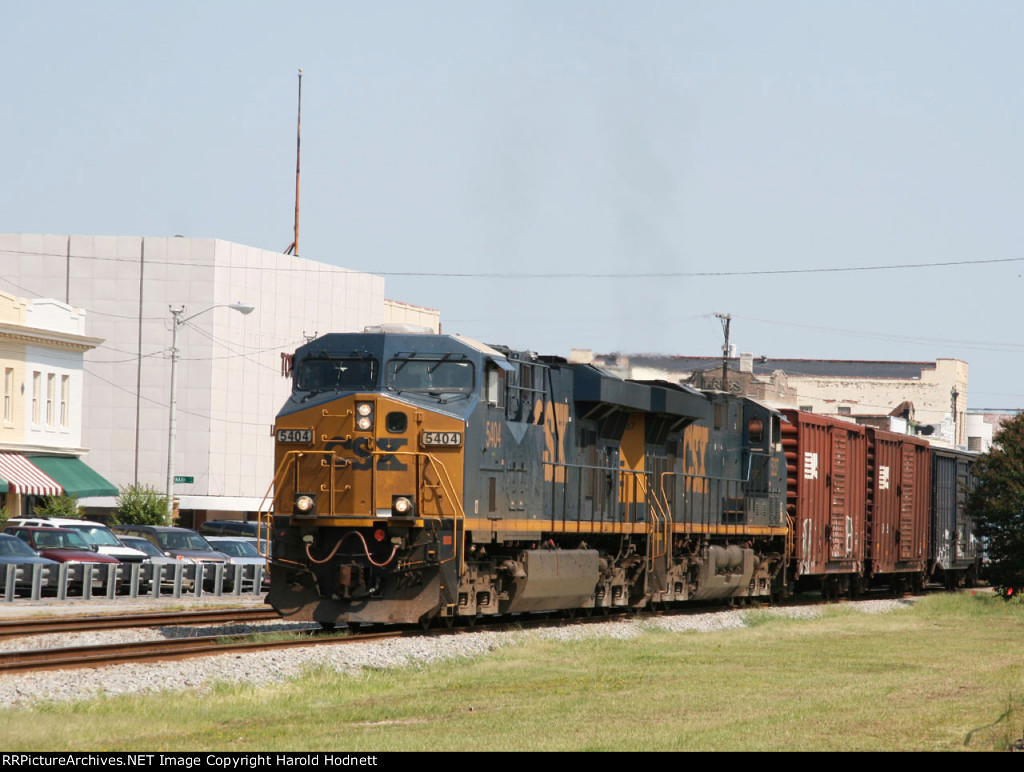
column 446, row 439
column 295, row 435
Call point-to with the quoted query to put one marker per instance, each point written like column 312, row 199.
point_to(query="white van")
column 96, row 534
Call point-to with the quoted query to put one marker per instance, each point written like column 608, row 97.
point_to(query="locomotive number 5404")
column 450, row 439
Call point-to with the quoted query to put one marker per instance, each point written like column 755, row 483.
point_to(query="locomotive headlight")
column 364, row 411
column 402, row 506
column 305, row 504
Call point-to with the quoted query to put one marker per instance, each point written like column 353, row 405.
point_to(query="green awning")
column 4, row 487
column 74, row 476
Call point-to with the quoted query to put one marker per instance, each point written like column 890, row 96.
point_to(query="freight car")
column 424, row 477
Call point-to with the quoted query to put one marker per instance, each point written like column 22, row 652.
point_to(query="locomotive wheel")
column 449, row 622
column 327, row 626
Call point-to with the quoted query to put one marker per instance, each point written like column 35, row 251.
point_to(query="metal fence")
column 134, row 580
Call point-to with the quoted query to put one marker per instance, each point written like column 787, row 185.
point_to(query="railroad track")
column 38, row 626
column 36, row 660
column 197, row 646
column 169, row 650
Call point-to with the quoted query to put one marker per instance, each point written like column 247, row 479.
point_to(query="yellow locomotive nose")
column 369, row 457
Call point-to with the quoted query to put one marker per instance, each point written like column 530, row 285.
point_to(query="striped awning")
column 24, row 477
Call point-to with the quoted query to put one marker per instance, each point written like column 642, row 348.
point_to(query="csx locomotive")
column 424, row 477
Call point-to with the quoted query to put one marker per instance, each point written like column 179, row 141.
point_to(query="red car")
column 64, row 546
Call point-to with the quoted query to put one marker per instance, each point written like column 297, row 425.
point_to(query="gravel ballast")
column 260, row 668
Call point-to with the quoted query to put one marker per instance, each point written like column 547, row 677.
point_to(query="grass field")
column 947, row 674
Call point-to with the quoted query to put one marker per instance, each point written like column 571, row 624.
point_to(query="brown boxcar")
column 826, row 461
column 899, row 493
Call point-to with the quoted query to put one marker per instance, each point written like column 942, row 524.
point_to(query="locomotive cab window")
column 755, row 431
column 495, row 385
column 327, row 373
column 442, row 376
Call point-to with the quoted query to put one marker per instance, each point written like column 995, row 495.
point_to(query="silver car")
column 157, row 559
column 242, row 551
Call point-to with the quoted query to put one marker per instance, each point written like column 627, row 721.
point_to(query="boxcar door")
column 840, row 522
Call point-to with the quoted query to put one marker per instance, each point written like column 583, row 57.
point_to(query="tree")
column 58, row 506
column 141, row 505
column 997, row 503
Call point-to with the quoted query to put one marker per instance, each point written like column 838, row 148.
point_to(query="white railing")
column 132, row 580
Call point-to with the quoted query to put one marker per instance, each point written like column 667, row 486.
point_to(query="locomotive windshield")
column 336, row 374
column 442, row 376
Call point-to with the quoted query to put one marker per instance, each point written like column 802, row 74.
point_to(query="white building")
column 42, row 345
column 229, row 371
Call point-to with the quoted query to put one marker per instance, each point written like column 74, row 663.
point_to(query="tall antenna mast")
column 293, row 248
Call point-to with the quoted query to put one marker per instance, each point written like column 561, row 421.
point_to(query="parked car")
column 242, row 552
column 156, row 558
column 95, row 533
column 248, row 528
column 177, row 543
column 16, row 552
column 64, row 546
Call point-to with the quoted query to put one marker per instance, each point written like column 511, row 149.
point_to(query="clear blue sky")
column 578, row 138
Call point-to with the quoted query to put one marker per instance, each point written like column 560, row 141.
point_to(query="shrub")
column 58, row 506
column 141, row 505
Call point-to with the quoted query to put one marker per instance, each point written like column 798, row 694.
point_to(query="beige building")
column 42, row 347
column 932, row 396
column 229, row 369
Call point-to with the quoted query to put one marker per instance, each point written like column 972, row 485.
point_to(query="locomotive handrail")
column 656, row 510
column 444, row 478
column 632, row 474
column 289, row 457
column 659, row 518
column 708, row 484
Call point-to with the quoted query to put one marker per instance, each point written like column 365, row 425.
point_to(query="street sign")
column 183, row 479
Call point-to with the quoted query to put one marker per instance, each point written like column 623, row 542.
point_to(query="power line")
column 320, row 267
column 697, row 274
column 165, row 405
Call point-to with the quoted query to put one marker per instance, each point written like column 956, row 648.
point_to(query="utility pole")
column 725, row 319
column 953, row 394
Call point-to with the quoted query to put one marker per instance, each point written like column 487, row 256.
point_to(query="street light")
column 176, row 321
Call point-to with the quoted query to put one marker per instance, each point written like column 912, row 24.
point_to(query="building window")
column 51, row 384
column 806, row 408
column 65, row 398
column 37, row 387
column 9, row 394
column 844, row 410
